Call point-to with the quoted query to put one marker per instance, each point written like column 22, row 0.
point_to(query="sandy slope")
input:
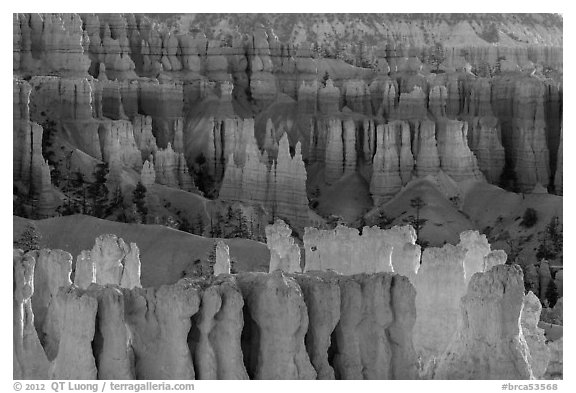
column 164, row 252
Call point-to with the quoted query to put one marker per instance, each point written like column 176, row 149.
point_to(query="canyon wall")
column 371, row 325
column 215, row 327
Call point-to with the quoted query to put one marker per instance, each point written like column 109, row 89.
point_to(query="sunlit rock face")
column 52, row 271
column 222, row 264
column 280, row 186
column 345, row 251
column 284, row 253
column 489, row 343
column 440, row 283
column 111, row 261
column 73, row 314
column 534, row 336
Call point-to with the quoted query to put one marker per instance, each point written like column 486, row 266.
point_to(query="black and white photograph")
column 286, row 196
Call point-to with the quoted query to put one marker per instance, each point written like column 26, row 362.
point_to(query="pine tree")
column 199, row 225
column 418, row 223
column 29, row 239
column 139, row 200
column 325, row 78
column 98, row 191
column 551, row 293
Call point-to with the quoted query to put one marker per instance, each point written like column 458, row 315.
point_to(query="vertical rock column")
column 52, row 271
column 74, row 315
column 276, row 321
column 112, row 350
column 159, row 323
column 322, row 296
column 334, row 152
column 362, row 347
column 111, row 261
column 284, row 254
column 534, row 336
column 488, row 343
column 386, row 180
column 440, row 283
column 215, row 339
column 29, row 360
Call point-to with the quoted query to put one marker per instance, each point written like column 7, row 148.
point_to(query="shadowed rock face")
column 159, row 322
column 29, row 360
column 273, row 344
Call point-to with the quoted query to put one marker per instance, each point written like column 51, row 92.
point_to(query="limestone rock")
column 276, row 321
column 159, row 323
column 143, row 136
column 367, row 319
column 216, row 338
column 456, row 159
column 118, row 144
column 52, row 271
column 114, row 356
column 558, row 182
column 84, row 273
column 284, row 254
column 555, row 368
column 291, row 201
column 74, row 314
column 222, row 265
column 328, row 98
column 357, row 96
column 477, row 248
column 484, row 141
column 29, row 360
column 489, row 343
column 345, row 251
column 334, row 152
column 111, row 261
column 412, row 105
column 386, row 180
column 349, row 137
column 148, row 174
column 534, row 336
column 493, row 258
column 307, row 97
column 405, row 252
column 427, row 160
column 322, row 298
column 51, row 44
column 440, row 283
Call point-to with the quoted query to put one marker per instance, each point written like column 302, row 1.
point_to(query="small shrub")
column 530, row 218
column 29, row 240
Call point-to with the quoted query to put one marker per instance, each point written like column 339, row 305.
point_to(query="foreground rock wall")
column 250, row 325
column 489, row 343
column 345, row 251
